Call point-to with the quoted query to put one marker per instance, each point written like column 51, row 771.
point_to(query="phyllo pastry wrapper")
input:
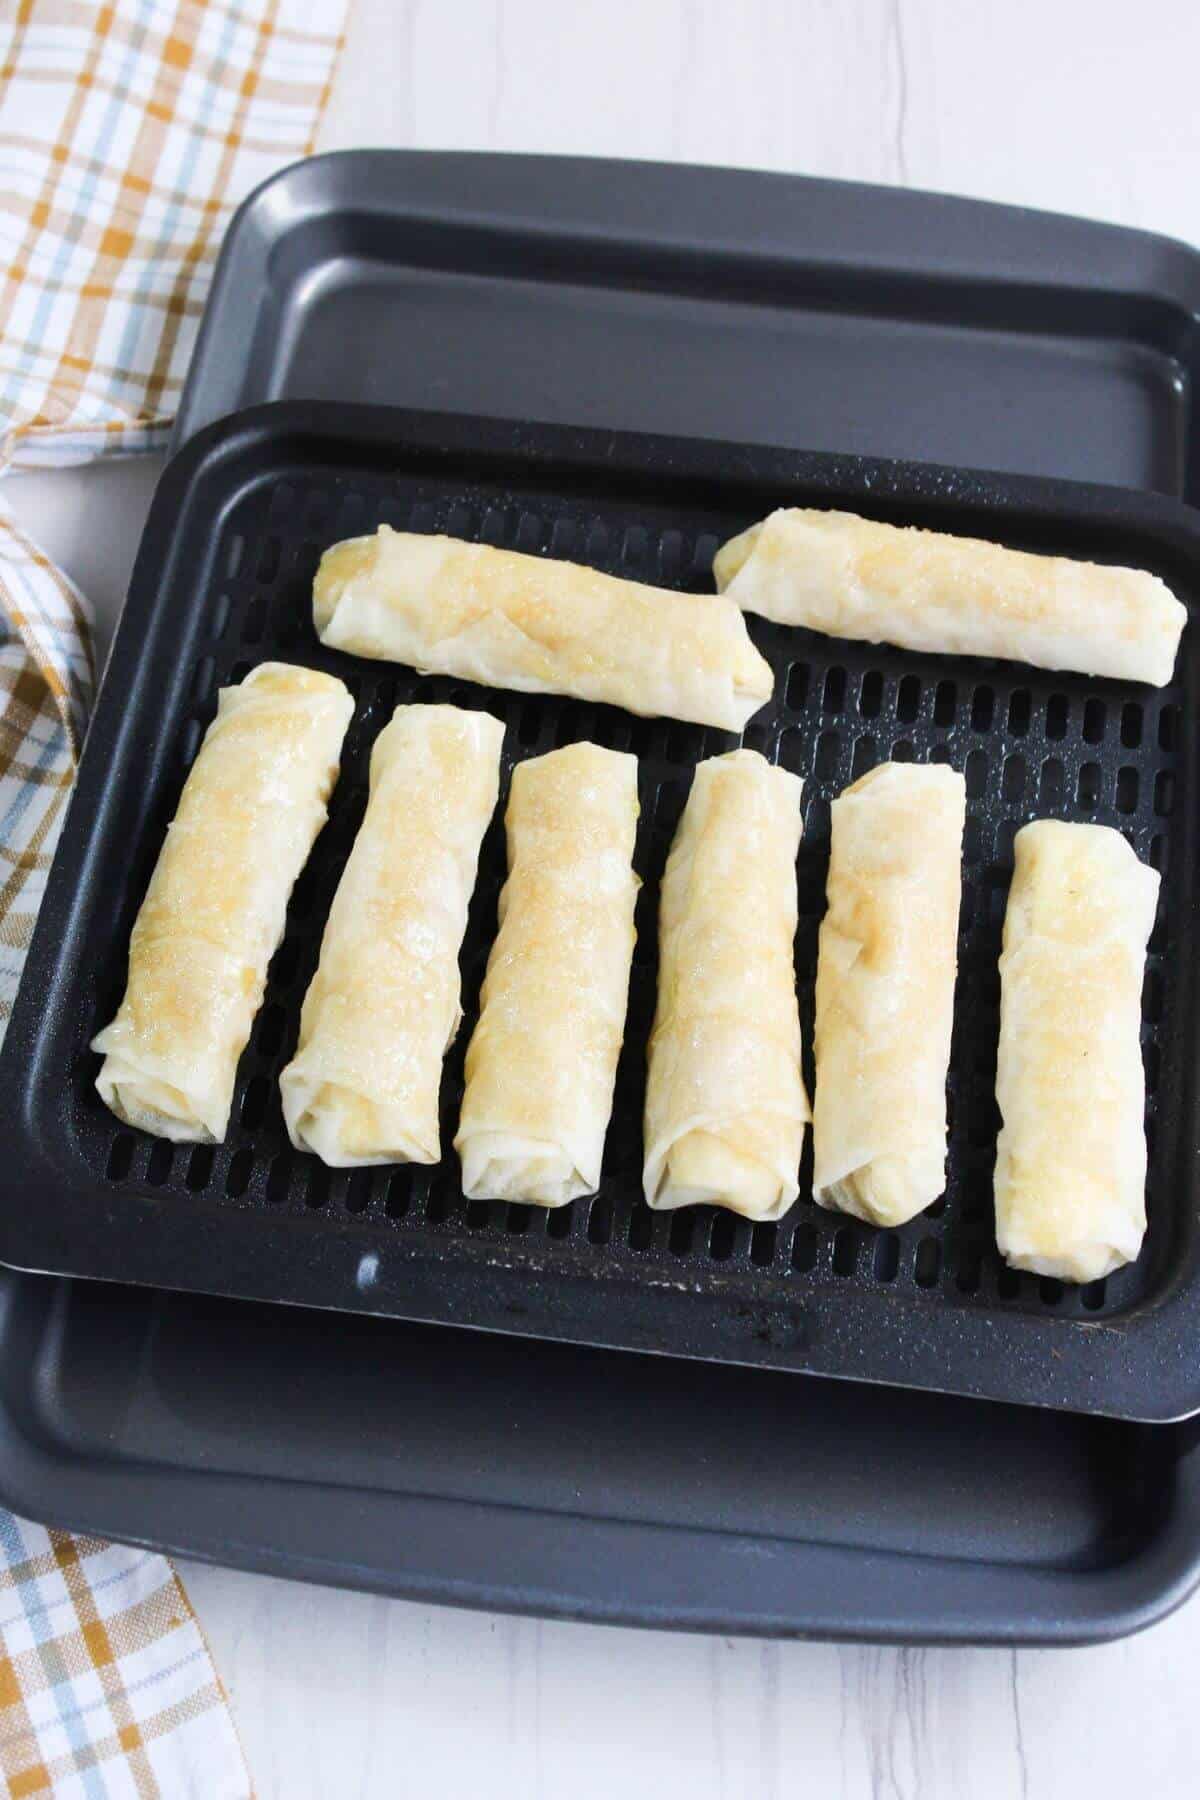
column 886, row 967
column 725, row 1100
column 215, row 909
column 1070, row 1179
column 543, row 1058
column 927, row 590
column 384, row 1004
column 539, row 625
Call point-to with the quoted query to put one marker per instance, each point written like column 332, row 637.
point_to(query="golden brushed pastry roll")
column 887, row 961
column 926, row 590
column 725, row 1100
column 543, row 1058
column 384, row 1004
column 539, row 625
column 214, row 912
column 1070, row 1182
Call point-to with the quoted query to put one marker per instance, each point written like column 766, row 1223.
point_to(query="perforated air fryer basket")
column 223, row 581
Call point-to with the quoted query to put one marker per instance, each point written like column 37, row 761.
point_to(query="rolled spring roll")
column 1071, row 1158
column 725, row 1100
column 538, row 625
column 543, row 1058
column 924, row 590
column 383, row 1006
column 215, row 908
column 885, row 992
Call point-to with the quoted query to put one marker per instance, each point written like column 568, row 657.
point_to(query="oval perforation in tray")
column 1027, row 743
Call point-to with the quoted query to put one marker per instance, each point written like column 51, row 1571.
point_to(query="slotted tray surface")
column 223, row 581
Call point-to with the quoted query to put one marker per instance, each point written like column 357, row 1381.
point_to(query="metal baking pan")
column 912, row 1518
column 497, row 1472
column 709, row 303
column 224, row 580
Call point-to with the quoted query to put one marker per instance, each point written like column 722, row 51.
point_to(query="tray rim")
column 161, row 1252
column 1030, row 245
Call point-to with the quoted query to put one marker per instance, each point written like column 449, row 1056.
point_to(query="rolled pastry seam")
column 925, row 590
column 215, row 909
column 886, row 966
column 384, row 1004
column 543, row 1057
column 725, row 1100
column 539, row 625
column 1071, row 1157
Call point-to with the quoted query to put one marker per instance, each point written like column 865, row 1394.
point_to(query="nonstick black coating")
column 223, row 581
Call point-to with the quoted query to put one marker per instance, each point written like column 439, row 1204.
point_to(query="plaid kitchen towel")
column 128, row 133
column 106, row 1685
column 46, row 681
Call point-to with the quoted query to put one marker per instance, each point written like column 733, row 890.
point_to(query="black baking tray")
column 224, row 580
column 909, row 1517
column 710, row 303
column 489, row 1471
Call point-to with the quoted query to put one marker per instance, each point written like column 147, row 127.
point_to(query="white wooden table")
column 1082, row 105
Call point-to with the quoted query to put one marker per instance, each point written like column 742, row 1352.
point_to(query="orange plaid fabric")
column 106, row 1685
column 46, row 681
column 128, row 133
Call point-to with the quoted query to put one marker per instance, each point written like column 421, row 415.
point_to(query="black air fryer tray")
column 224, row 580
